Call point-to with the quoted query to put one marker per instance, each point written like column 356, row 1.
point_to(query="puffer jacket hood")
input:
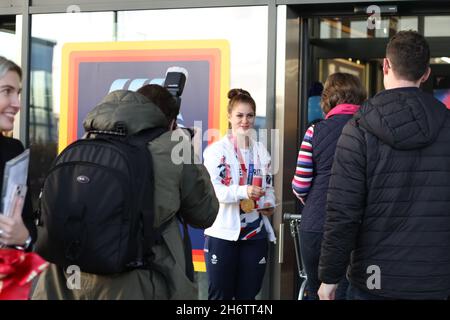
column 128, row 107
column 404, row 118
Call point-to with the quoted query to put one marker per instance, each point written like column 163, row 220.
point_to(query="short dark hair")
column 341, row 88
column 162, row 98
column 409, row 54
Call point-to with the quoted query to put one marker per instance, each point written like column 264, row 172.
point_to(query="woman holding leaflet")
column 236, row 244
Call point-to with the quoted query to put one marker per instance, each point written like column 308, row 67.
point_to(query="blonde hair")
column 8, row 65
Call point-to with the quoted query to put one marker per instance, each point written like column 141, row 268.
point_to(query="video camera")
column 174, row 82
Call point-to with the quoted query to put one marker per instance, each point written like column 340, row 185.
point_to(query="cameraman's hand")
column 255, row 192
column 12, row 229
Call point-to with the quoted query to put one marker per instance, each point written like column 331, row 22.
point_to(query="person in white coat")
column 236, row 245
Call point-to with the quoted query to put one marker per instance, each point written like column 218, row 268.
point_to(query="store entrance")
column 328, row 38
column 346, row 44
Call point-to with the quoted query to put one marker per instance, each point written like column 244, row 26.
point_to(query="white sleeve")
column 230, row 193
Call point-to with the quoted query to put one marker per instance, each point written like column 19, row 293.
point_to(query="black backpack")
column 96, row 205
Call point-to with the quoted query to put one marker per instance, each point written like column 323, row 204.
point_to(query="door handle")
column 281, row 244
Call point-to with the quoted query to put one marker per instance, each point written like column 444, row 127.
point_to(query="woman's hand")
column 12, row 229
column 255, row 192
column 267, row 212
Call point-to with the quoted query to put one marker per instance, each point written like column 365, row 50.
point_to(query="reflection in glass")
column 437, row 26
column 359, row 27
column 10, row 48
column 245, row 28
column 48, row 37
column 10, row 37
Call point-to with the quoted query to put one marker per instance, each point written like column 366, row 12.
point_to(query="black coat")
column 389, row 198
column 9, row 148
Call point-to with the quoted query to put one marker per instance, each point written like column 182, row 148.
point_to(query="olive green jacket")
column 183, row 187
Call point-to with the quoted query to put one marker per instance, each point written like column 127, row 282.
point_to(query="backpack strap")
column 151, row 235
column 187, row 245
column 145, row 136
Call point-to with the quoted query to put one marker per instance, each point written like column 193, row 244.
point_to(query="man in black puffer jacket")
column 388, row 204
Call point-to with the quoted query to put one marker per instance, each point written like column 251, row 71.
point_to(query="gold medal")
column 247, row 205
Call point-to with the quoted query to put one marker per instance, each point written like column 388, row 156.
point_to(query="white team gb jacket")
column 223, row 166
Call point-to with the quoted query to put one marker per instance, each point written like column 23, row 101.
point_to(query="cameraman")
column 179, row 188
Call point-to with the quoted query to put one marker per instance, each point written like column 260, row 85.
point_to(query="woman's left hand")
column 267, row 212
column 12, row 229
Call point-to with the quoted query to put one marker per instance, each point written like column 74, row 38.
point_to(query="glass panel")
column 437, row 26
column 441, row 89
column 330, row 28
column 48, row 37
column 369, row 71
column 10, row 48
column 245, row 29
column 357, row 27
column 408, row 23
column 11, row 37
column 351, row 66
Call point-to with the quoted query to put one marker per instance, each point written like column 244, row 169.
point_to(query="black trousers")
column 310, row 244
column 354, row 293
column 235, row 268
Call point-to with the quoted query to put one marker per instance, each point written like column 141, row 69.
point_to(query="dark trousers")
column 310, row 244
column 235, row 268
column 354, row 293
